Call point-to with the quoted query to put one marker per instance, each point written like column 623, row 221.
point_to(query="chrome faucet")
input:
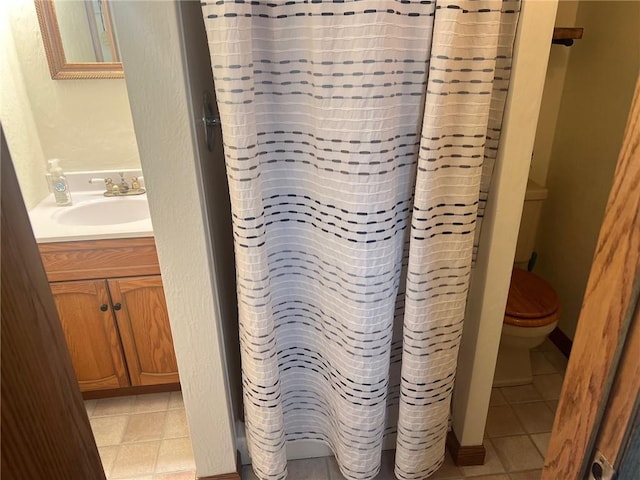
column 122, row 188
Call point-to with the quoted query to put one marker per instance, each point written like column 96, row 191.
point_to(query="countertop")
column 47, row 229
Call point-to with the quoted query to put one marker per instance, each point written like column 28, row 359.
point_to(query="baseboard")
column 560, row 340
column 465, row 456
column 138, row 390
column 224, row 476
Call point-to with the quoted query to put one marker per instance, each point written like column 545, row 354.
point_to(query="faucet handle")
column 107, row 182
column 124, row 186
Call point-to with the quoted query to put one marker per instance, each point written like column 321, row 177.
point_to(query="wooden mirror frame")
column 58, row 66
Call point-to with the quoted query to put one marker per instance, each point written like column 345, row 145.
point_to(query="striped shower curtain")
column 359, row 138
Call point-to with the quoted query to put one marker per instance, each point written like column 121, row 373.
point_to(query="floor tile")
column 152, row 402
column 108, row 456
column 492, row 464
column 113, row 406
column 448, row 470
column 553, row 405
column 496, row 398
column 130, row 443
column 541, row 441
column 175, row 455
column 530, row 475
column 176, row 424
column 549, row 386
column 247, row 473
column 502, row 421
column 333, row 469
column 540, row 365
column 547, row 346
column 109, row 430
column 535, row 417
column 518, row 453
column 135, row 459
column 308, row 469
column 175, row 400
column 90, row 405
column 521, row 393
column 492, row 477
column 137, row 477
column 557, row 359
column 144, row 427
column 387, row 465
column 176, row 476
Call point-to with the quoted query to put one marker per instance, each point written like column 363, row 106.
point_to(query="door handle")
column 117, row 306
column 209, row 119
column 104, row 307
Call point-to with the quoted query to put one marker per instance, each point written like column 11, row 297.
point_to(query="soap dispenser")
column 58, row 183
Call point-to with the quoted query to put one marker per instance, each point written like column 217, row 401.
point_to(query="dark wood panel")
column 567, row 33
column 94, row 259
column 560, row 340
column 45, row 429
column 467, row 455
column 143, row 321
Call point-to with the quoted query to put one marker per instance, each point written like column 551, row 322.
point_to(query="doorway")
column 87, row 123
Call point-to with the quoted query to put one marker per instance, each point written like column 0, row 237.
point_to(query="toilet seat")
column 532, row 302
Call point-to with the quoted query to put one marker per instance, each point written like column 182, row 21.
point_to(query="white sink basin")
column 104, row 211
column 92, row 216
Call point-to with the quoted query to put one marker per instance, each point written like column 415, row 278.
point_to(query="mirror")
column 78, row 39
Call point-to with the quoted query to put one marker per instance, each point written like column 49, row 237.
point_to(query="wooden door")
column 92, row 337
column 141, row 312
column 601, row 390
column 45, row 429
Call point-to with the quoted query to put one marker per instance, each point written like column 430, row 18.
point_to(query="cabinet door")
column 141, row 313
column 91, row 334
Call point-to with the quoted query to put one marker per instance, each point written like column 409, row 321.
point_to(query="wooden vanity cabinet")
column 112, row 308
column 91, row 333
column 144, row 329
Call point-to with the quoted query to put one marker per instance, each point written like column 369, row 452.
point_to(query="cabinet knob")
column 104, row 307
column 117, row 306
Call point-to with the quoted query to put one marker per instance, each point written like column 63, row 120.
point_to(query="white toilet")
column 533, row 307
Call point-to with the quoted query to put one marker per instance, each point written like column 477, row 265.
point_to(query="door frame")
column 602, row 383
column 151, row 41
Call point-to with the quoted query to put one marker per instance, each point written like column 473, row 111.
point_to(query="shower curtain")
column 359, row 138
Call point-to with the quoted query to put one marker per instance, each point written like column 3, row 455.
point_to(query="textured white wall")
column 492, row 275
column 17, row 120
column 553, row 86
column 597, row 94
column 86, row 123
column 150, row 46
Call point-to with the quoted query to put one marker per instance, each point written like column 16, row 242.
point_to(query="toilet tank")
column 533, row 199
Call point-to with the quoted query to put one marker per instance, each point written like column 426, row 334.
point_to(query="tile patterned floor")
column 143, row 437
column 516, row 438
